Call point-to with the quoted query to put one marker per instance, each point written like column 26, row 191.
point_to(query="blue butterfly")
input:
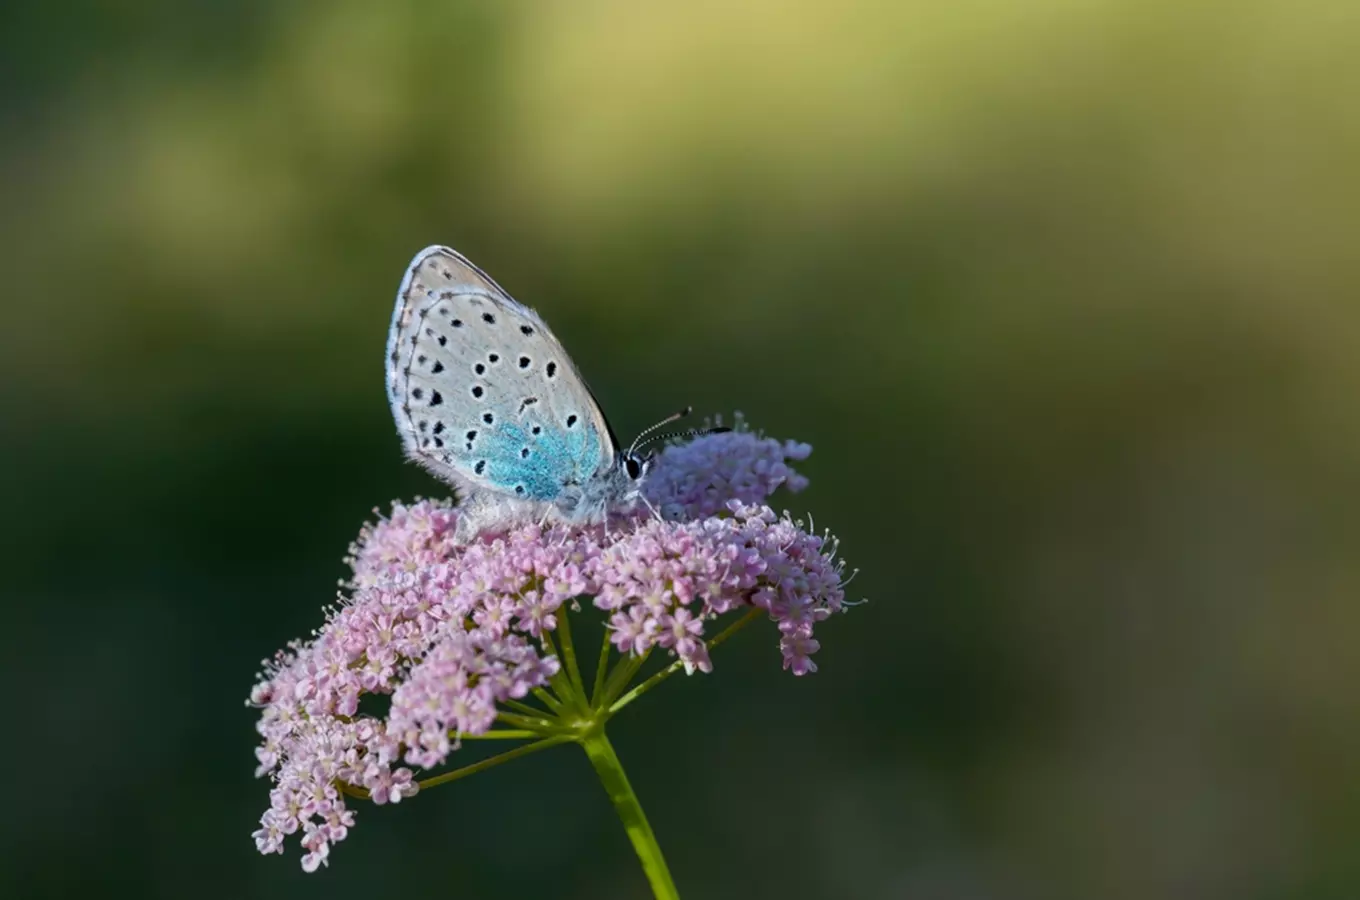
column 486, row 398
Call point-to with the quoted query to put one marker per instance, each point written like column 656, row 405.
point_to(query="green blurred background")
column 1064, row 294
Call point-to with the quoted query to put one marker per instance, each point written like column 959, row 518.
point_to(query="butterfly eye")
column 633, row 466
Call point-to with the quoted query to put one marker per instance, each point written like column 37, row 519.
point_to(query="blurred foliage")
column 1064, row 293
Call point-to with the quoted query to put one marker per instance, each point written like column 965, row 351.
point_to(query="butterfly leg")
column 484, row 514
column 647, row 503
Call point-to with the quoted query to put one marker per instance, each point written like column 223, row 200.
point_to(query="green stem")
column 501, row 734
column 352, row 790
column 526, row 709
column 678, row 665
column 546, row 698
column 494, row 761
column 561, row 683
column 569, row 651
column 610, row 770
column 623, row 673
column 601, row 669
column 540, row 726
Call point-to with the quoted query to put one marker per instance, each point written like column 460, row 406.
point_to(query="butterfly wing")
column 483, row 393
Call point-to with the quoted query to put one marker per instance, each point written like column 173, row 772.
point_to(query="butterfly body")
column 486, row 398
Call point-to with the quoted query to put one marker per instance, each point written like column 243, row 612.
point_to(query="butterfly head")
column 637, row 460
column 619, row 487
column 636, row 465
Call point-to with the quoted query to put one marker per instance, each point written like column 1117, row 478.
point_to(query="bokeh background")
column 1064, row 293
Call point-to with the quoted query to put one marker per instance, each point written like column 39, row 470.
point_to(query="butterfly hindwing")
column 483, row 393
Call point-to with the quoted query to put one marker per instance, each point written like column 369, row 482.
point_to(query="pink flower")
column 453, row 632
column 634, row 630
column 698, row 479
column 683, row 632
column 798, row 647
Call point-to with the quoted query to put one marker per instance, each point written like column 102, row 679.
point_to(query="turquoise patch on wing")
column 555, row 457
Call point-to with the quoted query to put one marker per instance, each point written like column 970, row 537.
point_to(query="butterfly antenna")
column 693, row 432
column 673, row 417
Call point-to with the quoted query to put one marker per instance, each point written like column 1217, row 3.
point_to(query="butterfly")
column 486, row 398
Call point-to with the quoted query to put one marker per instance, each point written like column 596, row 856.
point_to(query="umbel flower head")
column 463, row 637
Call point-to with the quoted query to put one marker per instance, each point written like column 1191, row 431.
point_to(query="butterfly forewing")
column 482, row 391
